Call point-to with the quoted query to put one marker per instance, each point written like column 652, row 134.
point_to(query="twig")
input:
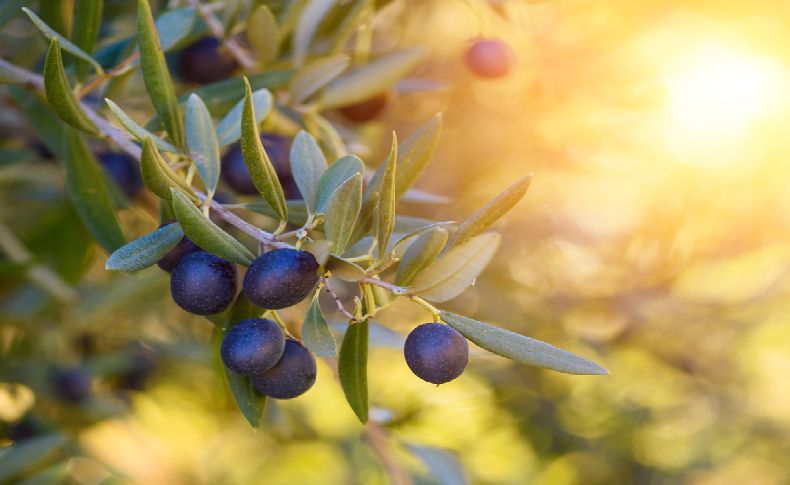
column 340, row 307
column 218, row 31
column 398, row 290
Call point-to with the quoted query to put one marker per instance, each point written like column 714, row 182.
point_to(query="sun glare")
column 715, row 94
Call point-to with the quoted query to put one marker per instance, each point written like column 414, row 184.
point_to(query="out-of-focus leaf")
column 315, row 332
column 229, row 127
column 223, row 94
column 174, row 26
column 415, row 85
column 309, row 20
column 442, row 464
column 421, row 254
column 384, row 216
column 370, row 79
column 146, row 250
column 521, row 349
column 260, row 168
column 342, row 212
column 44, row 123
column 458, row 268
column 350, row 24
column 8, row 9
column 156, row 75
column 138, row 131
column 337, row 173
column 157, row 174
column 353, row 368
column 483, row 218
column 57, row 473
column 206, row 234
column 263, row 33
column 328, row 138
column 64, row 43
column 316, row 74
column 201, row 139
column 85, row 33
column 27, row 453
column 87, row 189
column 297, row 213
column 423, row 197
column 345, row 270
column 9, row 74
column 59, row 95
column 308, row 166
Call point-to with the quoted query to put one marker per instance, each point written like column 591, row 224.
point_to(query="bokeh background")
column 654, row 240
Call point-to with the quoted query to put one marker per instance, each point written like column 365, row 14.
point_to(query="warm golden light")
column 715, row 95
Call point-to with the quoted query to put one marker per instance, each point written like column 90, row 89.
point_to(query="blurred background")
column 654, row 240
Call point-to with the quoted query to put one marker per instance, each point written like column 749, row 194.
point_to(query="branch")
column 339, row 303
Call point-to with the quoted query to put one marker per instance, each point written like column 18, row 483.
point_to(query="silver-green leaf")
column 309, row 19
column 521, row 349
column 315, row 332
column 315, row 75
column 420, row 254
column 201, row 139
column 66, row 44
column 229, row 127
column 384, row 216
column 263, row 33
column 138, row 131
column 59, row 94
column 337, row 173
column 308, row 165
column 146, row 250
column 203, row 232
column 342, row 212
column 456, row 270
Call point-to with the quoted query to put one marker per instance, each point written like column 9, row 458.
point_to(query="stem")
column 435, row 311
column 338, row 303
column 395, row 289
column 370, row 300
column 279, row 321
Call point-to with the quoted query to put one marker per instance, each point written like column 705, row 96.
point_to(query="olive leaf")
column 521, row 349
column 370, row 79
column 65, row 44
column 337, row 173
column 146, row 250
column 329, row 139
column 353, row 368
column 229, row 127
column 384, row 216
column 309, row 19
column 249, row 401
column 222, row 95
column 458, row 268
column 203, row 232
column 156, row 75
column 444, row 466
column 420, row 254
column 9, row 9
column 350, row 23
column 262, row 31
column 136, row 130
column 201, row 140
column 87, row 188
column 420, row 196
column 315, row 75
column 307, row 165
column 297, row 212
column 44, row 123
column 344, row 270
column 157, row 174
column 315, row 332
column 257, row 161
column 23, row 454
column 59, row 94
column 174, row 26
column 483, row 218
column 342, row 212
column 85, row 32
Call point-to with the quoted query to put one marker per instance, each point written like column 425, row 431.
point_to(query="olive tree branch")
column 338, row 303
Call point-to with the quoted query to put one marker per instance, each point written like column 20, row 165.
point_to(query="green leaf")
column 157, row 174
column 18, row 457
column 262, row 31
column 206, row 234
column 521, row 349
column 57, row 473
column 329, row 139
column 229, row 128
column 257, row 161
column 67, row 46
column 483, row 218
column 138, row 131
column 338, row 172
column 85, row 33
column 420, row 255
column 353, row 368
column 309, row 20
column 307, row 165
column 222, row 95
column 370, row 79
column 146, row 250
column 47, row 126
column 87, row 189
column 350, row 24
column 201, row 139
column 458, row 268
column 156, row 75
column 297, row 213
column 59, row 95
column 315, row 332
column 384, row 216
column 174, row 26
column 342, row 212
column 345, row 270
column 315, row 75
